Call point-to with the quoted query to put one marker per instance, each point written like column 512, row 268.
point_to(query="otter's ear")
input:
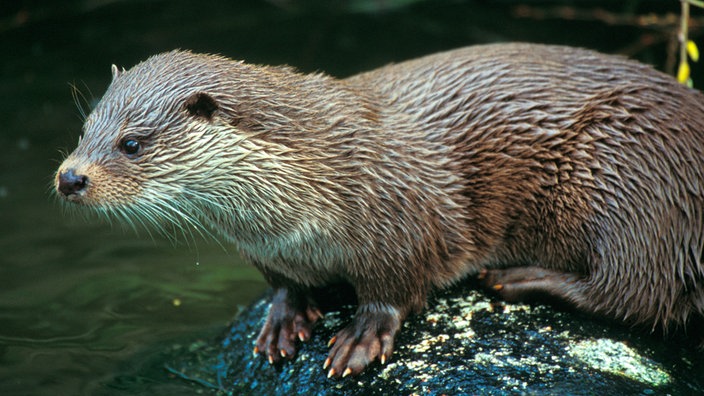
column 201, row 105
column 116, row 72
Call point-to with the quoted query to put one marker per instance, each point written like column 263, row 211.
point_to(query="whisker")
column 177, row 220
column 79, row 99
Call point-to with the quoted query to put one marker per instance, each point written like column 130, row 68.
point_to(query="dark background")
column 86, row 307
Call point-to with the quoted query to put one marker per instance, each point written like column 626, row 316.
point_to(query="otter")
column 544, row 170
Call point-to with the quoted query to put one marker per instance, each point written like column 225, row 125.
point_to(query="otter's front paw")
column 369, row 336
column 289, row 320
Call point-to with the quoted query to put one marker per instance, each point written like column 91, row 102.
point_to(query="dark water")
column 91, row 308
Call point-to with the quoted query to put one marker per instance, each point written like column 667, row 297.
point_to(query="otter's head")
column 155, row 143
column 182, row 137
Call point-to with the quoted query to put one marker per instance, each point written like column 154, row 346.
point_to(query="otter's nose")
column 71, row 183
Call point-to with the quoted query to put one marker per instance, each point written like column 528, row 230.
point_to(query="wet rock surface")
column 464, row 343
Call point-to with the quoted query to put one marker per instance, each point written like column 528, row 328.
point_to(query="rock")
column 464, row 343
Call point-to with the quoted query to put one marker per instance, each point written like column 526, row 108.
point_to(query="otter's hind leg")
column 525, row 283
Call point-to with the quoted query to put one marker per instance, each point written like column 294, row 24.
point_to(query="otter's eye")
column 130, row 146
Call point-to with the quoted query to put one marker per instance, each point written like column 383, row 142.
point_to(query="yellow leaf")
column 683, row 72
column 692, row 50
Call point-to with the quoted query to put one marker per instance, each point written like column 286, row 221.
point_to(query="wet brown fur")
column 411, row 176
